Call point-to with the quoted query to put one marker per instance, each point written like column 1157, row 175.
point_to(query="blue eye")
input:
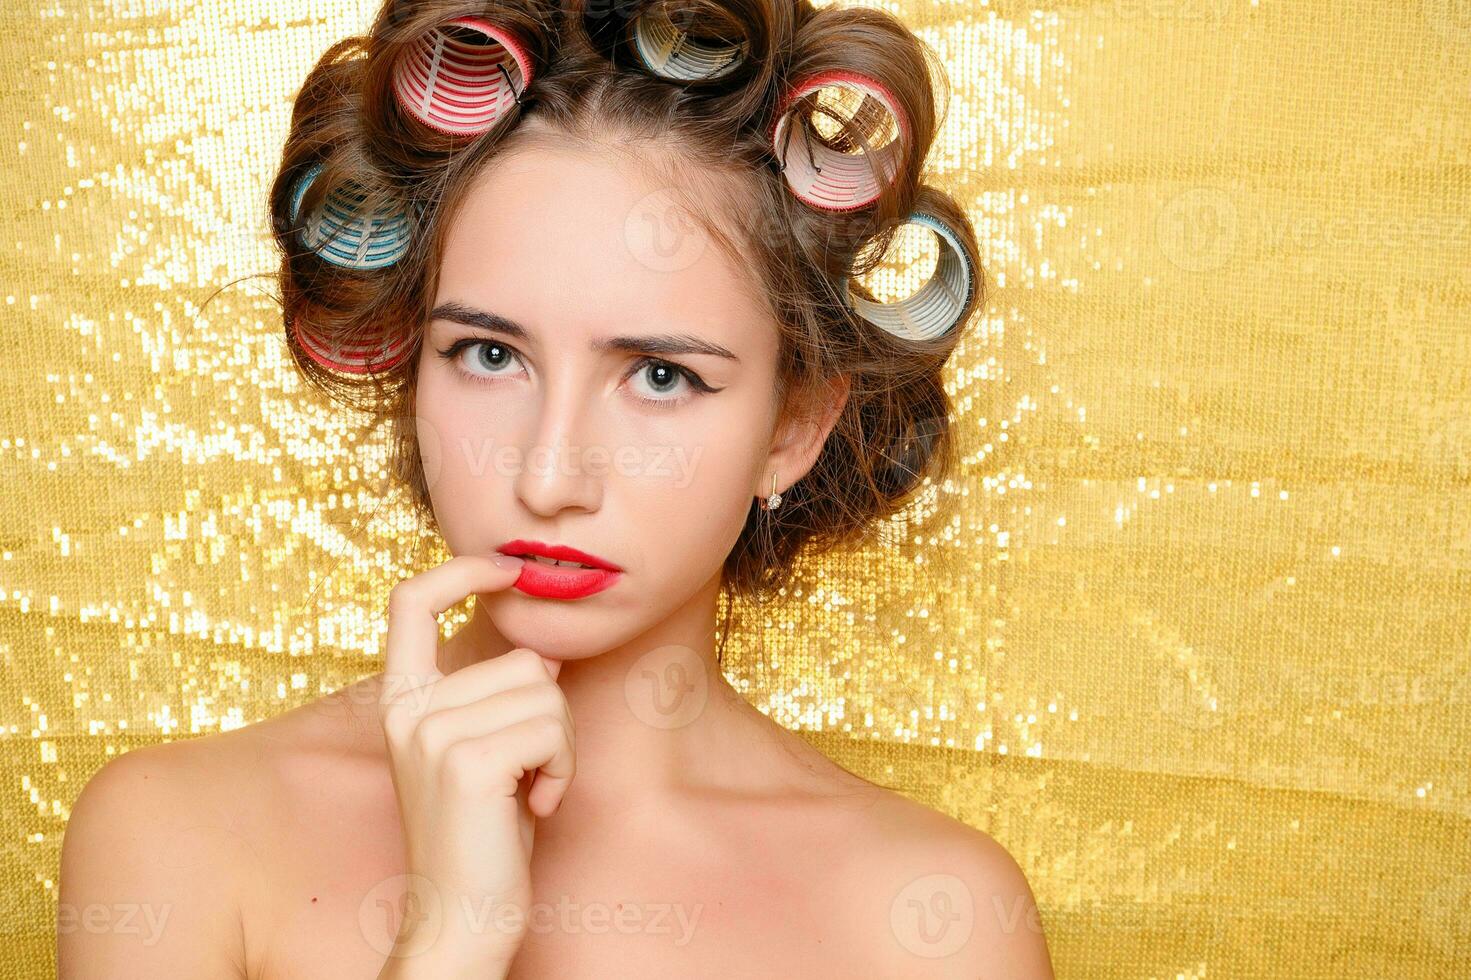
column 662, row 377
column 488, row 357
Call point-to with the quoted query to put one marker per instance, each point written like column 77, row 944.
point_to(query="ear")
column 799, row 439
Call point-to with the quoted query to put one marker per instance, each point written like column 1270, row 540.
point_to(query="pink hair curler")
column 462, row 76
column 356, row 359
column 825, row 176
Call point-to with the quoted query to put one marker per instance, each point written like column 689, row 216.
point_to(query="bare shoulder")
column 152, row 863
column 958, row 902
column 932, row 896
column 167, row 845
column 954, row 900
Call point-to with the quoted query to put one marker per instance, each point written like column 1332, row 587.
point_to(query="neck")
column 652, row 714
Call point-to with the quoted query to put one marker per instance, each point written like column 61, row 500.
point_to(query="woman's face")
column 578, row 413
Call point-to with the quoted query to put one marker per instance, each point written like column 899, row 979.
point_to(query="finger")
column 553, row 778
column 540, row 743
column 415, row 604
column 547, row 792
column 440, row 729
column 477, row 681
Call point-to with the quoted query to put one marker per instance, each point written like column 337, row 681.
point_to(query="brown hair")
column 893, row 432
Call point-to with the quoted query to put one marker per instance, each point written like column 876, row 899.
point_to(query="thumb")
column 554, row 667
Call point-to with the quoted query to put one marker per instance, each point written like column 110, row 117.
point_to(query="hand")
column 476, row 756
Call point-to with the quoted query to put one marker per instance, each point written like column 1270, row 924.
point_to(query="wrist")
column 457, row 940
column 448, row 958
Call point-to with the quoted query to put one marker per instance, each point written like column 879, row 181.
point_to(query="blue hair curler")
column 936, row 307
column 343, row 236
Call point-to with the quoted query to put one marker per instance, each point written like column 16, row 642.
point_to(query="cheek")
column 716, row 466
column 699, row 487
column 458, row 455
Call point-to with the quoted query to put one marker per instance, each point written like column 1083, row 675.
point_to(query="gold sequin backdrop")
column 1195, row 644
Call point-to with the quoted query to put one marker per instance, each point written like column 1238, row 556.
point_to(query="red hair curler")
column 353, row 359
column 824, row 175
column 462, row 76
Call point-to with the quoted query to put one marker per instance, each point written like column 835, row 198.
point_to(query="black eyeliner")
column 697, row 382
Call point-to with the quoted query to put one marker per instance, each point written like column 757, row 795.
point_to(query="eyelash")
column 451, row 353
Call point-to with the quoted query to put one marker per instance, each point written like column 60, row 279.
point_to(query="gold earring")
column 773, row 500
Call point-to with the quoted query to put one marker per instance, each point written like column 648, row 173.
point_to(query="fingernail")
column 508, row 561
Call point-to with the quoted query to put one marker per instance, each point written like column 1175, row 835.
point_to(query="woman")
column 593, row 267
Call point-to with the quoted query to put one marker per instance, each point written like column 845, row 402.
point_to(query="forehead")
column 567, row 235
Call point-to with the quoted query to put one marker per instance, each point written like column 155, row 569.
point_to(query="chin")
column 559, row 629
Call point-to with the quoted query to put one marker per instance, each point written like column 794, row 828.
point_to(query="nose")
column 556, row 473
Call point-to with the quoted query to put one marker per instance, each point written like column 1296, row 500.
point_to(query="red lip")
column 560, row 552
column 551, row 582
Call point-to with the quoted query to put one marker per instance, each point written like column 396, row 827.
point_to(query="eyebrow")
column 648, row 344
